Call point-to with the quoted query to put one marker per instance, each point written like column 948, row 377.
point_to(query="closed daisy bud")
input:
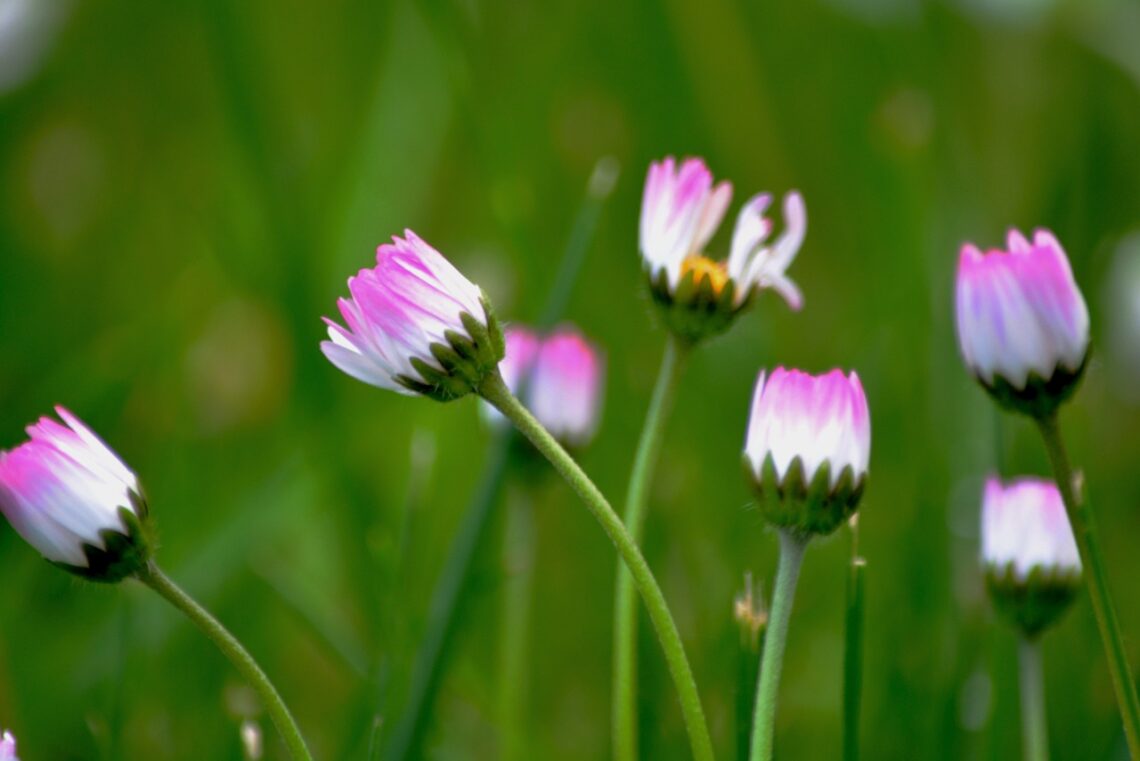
column 563, row 381
column 69, row 496
column 8, row 747
column 415, row 325
column 1032, row 566
column 680, row 211
column 808, row 448
column 1023, row 326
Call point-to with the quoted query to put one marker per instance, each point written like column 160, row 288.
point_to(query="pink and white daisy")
column 64, row 491
column 1020, row 312
column 415, row 324
column 681, row 210
column 816, row 419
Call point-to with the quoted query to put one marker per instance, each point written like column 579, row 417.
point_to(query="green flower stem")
column 624, row 704
column 1034, row 732
column 764, row 722
column 496, row 392
column 853, row 656
column 154, row 578
column 1084, row 529
column 514, row 647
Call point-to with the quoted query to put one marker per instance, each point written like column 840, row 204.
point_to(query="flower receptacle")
column 806, row 508
column 700, row 307
column 1035, row 603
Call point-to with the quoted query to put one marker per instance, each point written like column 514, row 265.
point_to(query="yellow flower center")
column 702, row 266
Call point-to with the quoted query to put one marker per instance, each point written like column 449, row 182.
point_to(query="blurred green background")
column 186, row 186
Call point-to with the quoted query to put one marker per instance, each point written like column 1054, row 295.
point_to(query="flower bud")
column 1032, row 567
column 7, row 747
column 416, row 325
column 808, row 448
column 1023, row 326
column 699, row 296
column 559, row 378
column 69, row 496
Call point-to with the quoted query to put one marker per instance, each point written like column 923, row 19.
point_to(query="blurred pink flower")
column 1020, row 311
column 681, row 210
column 566, row 386
column 563, row 386
column 1024, row 526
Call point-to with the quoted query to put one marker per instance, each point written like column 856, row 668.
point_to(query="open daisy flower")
column 680, row 211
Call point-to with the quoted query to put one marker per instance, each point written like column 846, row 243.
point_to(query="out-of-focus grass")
column 186, row 187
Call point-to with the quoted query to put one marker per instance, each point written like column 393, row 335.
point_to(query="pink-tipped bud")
column 680, row 211
column 415, row 324
column 69, row 496
column 1032, row 565
column 1023, row 327
column 808, row 448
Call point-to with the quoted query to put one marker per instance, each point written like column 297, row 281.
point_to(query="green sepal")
column 455, row 365
column 124, row 553
column 806, row 509
column 694, row 311
column 1041, row 397
column 1035, row 603
column 462, row 363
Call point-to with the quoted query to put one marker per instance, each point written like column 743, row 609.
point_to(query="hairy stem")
column 764, row 722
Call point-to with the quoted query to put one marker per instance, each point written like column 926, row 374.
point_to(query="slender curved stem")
column 1096, row 578
column 625, row 602
column 1034, row 732
column 496, row 392
column 154, row 578
column 763, row 724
